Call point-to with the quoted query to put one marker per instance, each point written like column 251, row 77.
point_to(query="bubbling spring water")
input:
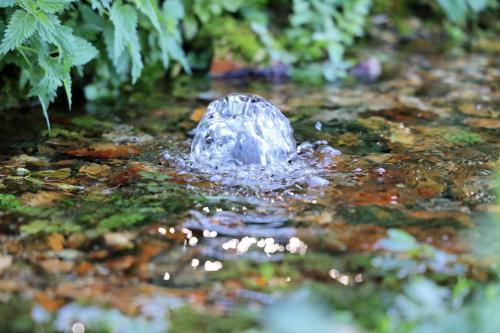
column 242, row 129
column 244, row 140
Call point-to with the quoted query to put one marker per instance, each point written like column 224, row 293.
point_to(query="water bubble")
column 316, row 181
column 242, row 129
column 318, row 126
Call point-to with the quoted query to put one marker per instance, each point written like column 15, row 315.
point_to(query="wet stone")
column 242, row 129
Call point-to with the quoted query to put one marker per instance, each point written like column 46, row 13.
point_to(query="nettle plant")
column 104, row 44
column 50, row 39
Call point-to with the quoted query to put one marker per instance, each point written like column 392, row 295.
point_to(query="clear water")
column 244, row 140
column 242, row 129
column 95, row 230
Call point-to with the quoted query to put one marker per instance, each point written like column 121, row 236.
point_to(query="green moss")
column 189, row 320
column 120, row 221
column 392, row 217
column 91, row 123
column 50, row 226
column 463, row 137
column 15, row 315
column 9, row 201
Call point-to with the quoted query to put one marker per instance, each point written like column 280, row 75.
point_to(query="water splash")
column 244, row 140
column 242, row 129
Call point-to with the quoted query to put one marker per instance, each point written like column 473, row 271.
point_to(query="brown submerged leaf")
column 56, row 242
column 105, row 151
column 94, row 169
column 483, row 122
column 42, row 198
column 5, row 263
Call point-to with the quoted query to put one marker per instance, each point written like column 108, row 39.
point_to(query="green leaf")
column 21, row 26
column 124, row 19
column 135, row 54
column 44, row 101
column 398, row 241
column 67, row 80
column 232, row 5
column 478, row 5
column 173, row 9
column 7, row 3
column 2, row 27
column 151, row 10
column 176, row 52
column 53, row 6
column 100, row 5
column 455, row 10
column 49, row 28
column 82, row 51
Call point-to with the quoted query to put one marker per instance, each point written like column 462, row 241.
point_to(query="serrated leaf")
column 124, row 19
column 7, row 3
column 100, row 5
column 48, row 27
column 176, row 52
column 2, row 28
column 135, row 54
column 44, row 101
column 21, row 26
column 151, row 10
column 53, row 6
column 82, row 52
column 93, row 21
column 67, row 80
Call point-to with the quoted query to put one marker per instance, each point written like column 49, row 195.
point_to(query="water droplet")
column 318, row 126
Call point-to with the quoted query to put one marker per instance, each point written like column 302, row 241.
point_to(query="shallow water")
column 105, row 221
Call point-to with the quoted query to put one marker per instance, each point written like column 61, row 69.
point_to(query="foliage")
column 331, row 26
column 40, row 38
column 102, row 45
column 459, row 10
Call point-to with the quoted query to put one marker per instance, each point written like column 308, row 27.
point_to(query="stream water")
column 382, row 204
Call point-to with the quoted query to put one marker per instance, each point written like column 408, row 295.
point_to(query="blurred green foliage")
column 104, row 46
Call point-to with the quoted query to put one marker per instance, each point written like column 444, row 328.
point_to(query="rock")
column 367, row 70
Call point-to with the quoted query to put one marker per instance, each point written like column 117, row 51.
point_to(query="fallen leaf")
column 48, row 302
column 95, row 169
column 64, row 187
column 84, row 268
column 483, row 122
column 41, row 198
column 105, row 151
column 56, row 242
column 120, row 240
column 489, row 45
column 197, row 114
column 76, row 241
column 122, row 263
column 5, row 263
column 57, row 266
column 54, row 174
column 479, row 110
